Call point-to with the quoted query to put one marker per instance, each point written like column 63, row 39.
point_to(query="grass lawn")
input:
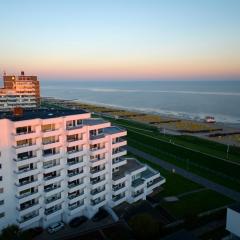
column 196, row 203
column 175, row 184
column 195, row 143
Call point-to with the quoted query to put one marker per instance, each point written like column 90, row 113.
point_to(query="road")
column 191, row 176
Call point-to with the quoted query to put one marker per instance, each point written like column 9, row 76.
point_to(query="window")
column 0, row 178
column 2, row 214
column 1, row 202
column 1, row 190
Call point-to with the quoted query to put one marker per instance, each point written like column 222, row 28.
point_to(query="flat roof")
column 40, row 113
column 113, row 130
column 131, row 166
column 93, row 121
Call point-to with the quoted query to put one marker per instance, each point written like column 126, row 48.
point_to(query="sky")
column 121, row 39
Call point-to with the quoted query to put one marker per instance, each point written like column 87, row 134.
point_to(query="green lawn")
column 196, row 203
column 175, row 184
column 196, row 143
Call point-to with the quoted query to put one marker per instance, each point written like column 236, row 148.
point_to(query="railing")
column 96, row 202
column 97, row 181
column 118, row 197
column 116, row 188
column 25, row 170
column 74, row 162
column 51, row 188
column 27, row 132
column 24, row 145
column 50, row 211
column 74, row 127
column 27, row 206
column 23, row 158
column 72, row 196
column 51, row 165
column 94, row 137
column 97, row 170
column 96, row 191
column 51, row 177
column 26, row 194
column 25, row 219
column 50, row 142
column 72, row 185
column 72, row 174
column 72, row 207
column 26, row 182
column 52, row 199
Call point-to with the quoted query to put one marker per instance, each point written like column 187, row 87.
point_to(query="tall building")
column 19, row 91
column 56, row 165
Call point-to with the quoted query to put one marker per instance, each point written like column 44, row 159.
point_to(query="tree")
column 10, row 232
column 144, row 226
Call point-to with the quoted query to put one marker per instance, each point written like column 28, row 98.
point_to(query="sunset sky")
column 124, row 39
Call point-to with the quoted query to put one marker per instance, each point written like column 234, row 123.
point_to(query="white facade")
column 57, row 166
column 233, row 222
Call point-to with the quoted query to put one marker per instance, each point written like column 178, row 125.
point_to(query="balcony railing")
column 98, row 136
column 96, row 191
column 26, row 194
column 96, row 181
column 51, row 177
column 74, row 206
column 74, row 139
column 26, row 182
column 25, row 132
column 28, row 217
column 72, row 196
column 118, row 197
column 72, row 174
column 25, row 170
column 74, row 127
column 24, row 158
column 49, row 189
column 27, row 206
column 52, row 210
column 116, row 188
column 72, row 185
column 50, row 142
column 97, row 170
column 96, row 202
column 24, row 145
column 74, row 162
column 52, row 199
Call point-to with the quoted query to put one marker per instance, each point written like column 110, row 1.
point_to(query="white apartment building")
column 59, row 164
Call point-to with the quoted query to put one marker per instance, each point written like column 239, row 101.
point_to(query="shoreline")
column 225, row 133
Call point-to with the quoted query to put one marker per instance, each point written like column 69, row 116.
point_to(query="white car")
column 55, row 227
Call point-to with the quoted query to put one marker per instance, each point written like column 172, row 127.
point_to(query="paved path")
column 191, row 176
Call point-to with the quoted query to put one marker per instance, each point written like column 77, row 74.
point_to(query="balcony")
column 118, row 189
column 26, row 148
column 75, row 195
column 52, row 199
column 95, row 173
column 98, row 202
column 75, row 153
column 119, row 152
column 52, row 210
column 98, row 136
column 29, row 219
column 73, row 174
column 27, row 172
column 24, row 158
column 119, row 162
column 51, row 144
column 74, row 142
column 76, row 208
column 119, row 143
column 51, row 156
column 27, row 206
column 76, row 184
column 51, row 132
column 25, row 135
column 30, row 193
column 118, row 197
column 137, row 182
column 97, row 161
column 26, row 182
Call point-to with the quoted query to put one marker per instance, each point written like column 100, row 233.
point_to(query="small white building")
column 233, row 222
column 59, row 164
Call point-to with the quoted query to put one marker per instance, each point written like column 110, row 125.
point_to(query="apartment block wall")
column 69, row 186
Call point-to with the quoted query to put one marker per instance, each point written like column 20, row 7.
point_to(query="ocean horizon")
column 182, row 99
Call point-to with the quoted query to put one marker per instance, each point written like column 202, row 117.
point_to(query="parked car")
column 55, row 227
column 101, row 214
column 77, row 221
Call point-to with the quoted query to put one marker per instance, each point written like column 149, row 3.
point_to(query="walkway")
column 191, row 176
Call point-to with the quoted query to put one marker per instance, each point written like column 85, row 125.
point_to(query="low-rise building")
column 59, row 164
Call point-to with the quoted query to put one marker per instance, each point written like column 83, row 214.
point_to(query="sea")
column 182, row 99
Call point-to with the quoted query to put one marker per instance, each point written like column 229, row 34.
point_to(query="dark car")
column 101, row 214
column 77, row 221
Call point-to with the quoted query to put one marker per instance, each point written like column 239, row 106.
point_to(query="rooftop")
column 93, row 121
column 131, row 166
column 113, row 130
column 40, row 113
